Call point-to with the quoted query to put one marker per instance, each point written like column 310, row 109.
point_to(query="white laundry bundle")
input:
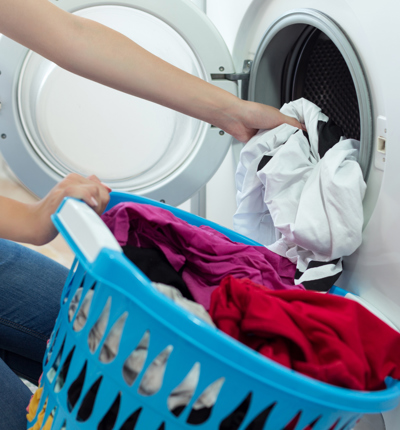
column 301, row 199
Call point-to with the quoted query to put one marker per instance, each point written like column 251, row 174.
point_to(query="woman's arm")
column 96, row 52
column 31, row 223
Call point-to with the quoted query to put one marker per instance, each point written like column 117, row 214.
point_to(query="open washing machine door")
column 53, row 122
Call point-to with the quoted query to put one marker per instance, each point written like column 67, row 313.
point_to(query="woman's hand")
column 90, row 190
column 243, row 119
column 31, row 223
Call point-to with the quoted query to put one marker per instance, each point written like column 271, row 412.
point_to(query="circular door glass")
column 76, row 125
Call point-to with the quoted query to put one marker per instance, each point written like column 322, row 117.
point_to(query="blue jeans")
column 30, row 290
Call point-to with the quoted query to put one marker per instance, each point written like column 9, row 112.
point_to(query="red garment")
column 327, row 337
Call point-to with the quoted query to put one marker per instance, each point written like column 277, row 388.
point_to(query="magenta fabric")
column 205, row 254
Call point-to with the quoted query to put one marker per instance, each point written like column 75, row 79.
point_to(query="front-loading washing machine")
column 340, row 55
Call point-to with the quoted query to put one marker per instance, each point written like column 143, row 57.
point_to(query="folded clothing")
column 202, row 255
column 327, row 337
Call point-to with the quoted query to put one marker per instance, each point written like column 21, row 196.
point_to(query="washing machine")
column 340, row 55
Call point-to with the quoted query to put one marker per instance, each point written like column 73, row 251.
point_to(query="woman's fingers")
column 96, row 179
column 91, row 192
column 293, row 121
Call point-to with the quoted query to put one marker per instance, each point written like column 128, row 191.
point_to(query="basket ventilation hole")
column 67, row 290
column 109, row 419
column 311, row 426
column 183, row 393
column 52, row 340
column 99, row 327
column 62, row 376
column 53, row 369
column 41, row 407
column 334, row 425
column 134, row 363
column 50, row 419
column 66, row 297
column 162, row 427
column 86, row 408
column 110, row 347
column 130, row 423
column 153, row 378
column 50, row 345
column 73, row 306
column 64, row 425
column 260, row 420
column 202, row 407
column 235, row 418
column 75, row 389
column 83, row 312
column 349, row 425
column 292, row 424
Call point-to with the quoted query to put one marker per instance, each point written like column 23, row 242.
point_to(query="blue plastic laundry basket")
column 268, row 395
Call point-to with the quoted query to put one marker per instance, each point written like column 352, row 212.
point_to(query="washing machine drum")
column 53, row 122
column 317, row 71
column 304, row 53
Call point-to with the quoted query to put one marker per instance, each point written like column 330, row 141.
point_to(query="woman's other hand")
column 31, row 223
column 91, row 190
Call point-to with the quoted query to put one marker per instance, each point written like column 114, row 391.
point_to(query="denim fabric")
column 30, row 290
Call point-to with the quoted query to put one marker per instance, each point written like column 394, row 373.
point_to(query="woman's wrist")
column 229, row 117
column 42, row 228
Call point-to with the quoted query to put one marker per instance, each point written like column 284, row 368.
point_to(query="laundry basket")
column 256, row 392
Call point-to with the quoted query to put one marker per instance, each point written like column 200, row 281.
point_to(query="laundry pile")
column 251, row 295
column 201, row 255
column 300, row 196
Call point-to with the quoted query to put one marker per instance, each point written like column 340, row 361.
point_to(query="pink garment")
column 205, row 254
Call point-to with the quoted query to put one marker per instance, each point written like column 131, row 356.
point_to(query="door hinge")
column 244, row 77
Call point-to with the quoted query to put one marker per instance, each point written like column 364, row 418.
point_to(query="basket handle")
column 83, row 229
